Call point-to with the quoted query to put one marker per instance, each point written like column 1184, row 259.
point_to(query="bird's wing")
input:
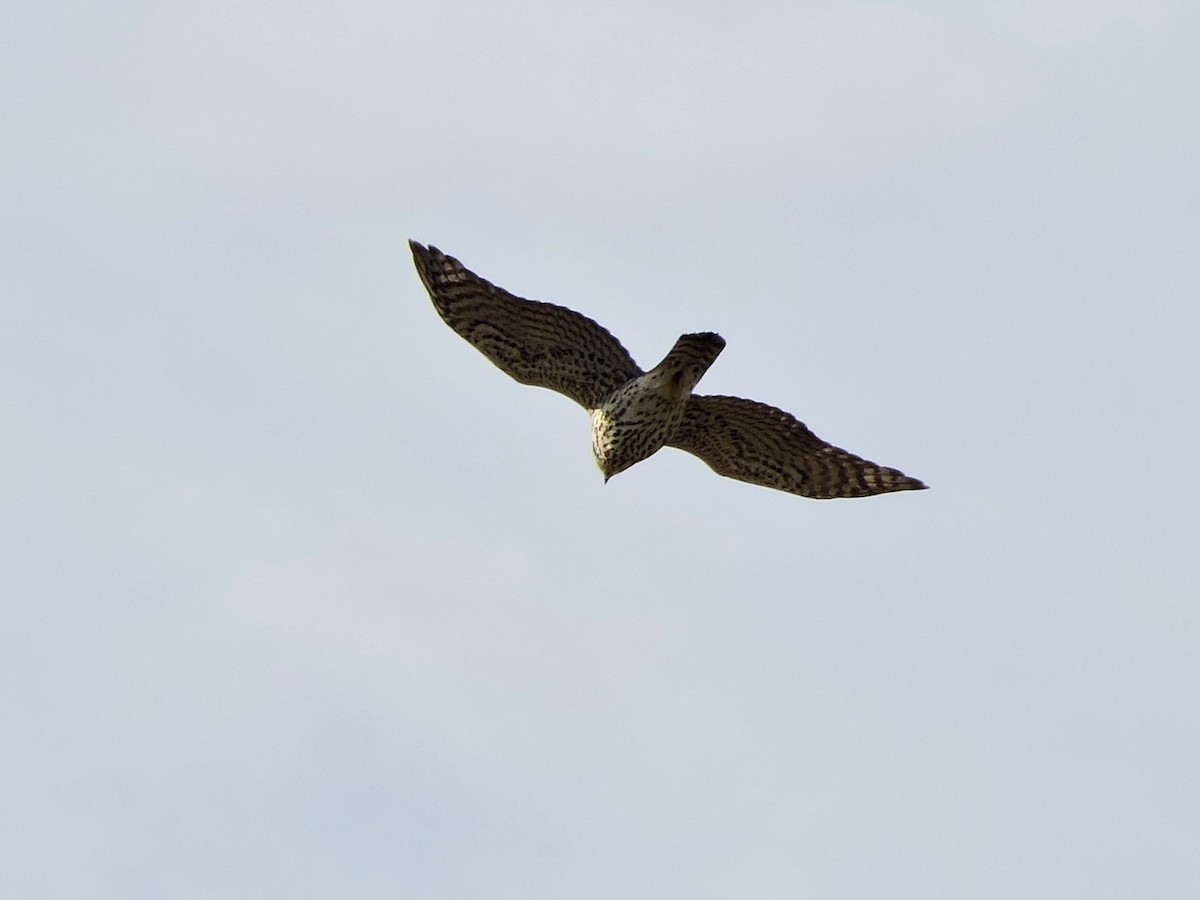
column 536, row 343
column 763, row 445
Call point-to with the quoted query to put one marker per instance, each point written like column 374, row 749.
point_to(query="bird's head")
column 613, row 463
column 616, row 447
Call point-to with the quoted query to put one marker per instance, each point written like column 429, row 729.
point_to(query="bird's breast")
column 633, row 423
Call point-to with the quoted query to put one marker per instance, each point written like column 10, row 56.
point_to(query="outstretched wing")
column 763, row 445
column 536, row 343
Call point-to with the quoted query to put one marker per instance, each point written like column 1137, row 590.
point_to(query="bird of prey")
column 635, row 413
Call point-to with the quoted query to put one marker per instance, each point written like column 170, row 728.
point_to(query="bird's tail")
column 687, row 362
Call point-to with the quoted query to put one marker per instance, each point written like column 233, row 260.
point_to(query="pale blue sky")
column 301, row 597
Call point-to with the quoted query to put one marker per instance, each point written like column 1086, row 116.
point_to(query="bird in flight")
column 635, row 413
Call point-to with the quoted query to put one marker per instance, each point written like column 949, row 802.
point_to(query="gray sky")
column 301, row 597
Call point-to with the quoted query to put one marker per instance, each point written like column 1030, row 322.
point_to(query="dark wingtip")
column 427, row 251
column 423, row 258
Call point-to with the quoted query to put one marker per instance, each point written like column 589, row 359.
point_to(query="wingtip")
column 424, row 259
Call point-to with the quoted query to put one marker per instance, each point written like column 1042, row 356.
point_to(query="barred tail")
column 688, row 360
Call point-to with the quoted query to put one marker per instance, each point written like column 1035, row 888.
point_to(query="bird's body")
column 635, row 413
column 639, row 418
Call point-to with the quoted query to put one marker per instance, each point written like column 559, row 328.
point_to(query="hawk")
column 635, row 413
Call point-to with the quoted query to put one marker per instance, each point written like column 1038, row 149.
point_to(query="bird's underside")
column 635, row 413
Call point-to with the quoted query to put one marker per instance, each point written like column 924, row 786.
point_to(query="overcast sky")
column 304, row 598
